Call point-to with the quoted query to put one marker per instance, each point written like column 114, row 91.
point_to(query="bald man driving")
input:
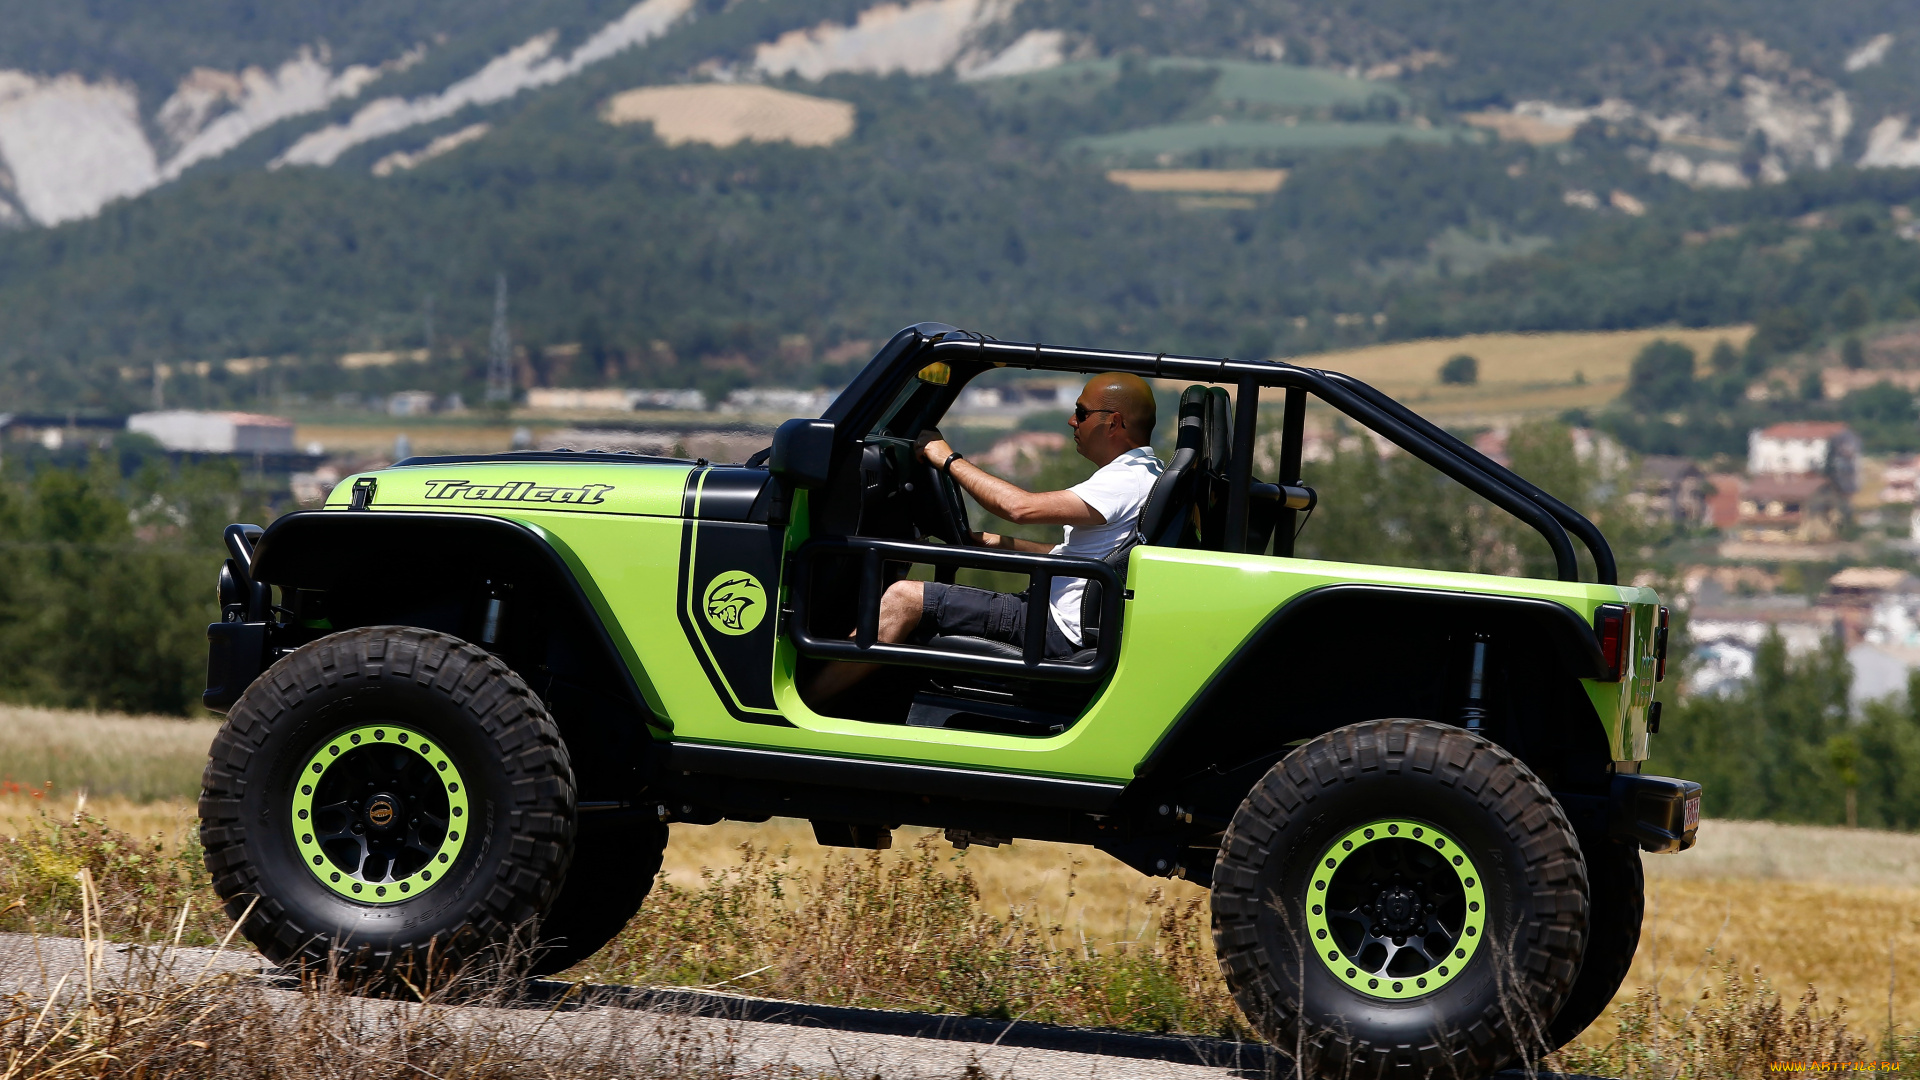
column 1112, row 426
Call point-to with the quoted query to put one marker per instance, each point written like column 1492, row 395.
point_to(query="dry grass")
column 906, row 930
column 911, row 928
column 1519, row 373
column 161, row 1015
column 136, row 758
column 1834, row 908
column 1108, row 900
column 171, row 824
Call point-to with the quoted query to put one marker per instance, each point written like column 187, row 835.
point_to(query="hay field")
column 721, row 114
column 1520, row 374
column 1828, row 906
column 138, row 759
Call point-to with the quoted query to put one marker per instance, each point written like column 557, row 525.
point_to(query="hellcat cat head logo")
column 735, row 602
column 517, row 491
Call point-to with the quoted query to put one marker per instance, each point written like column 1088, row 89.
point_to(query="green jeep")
column 466, row 698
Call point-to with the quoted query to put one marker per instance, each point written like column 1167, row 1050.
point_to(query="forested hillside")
column 352, row 177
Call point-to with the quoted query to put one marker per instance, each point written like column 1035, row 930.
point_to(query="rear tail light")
column 1613, row 623
column 1660, row 647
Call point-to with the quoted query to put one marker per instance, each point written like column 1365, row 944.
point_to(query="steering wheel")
column 944, row 506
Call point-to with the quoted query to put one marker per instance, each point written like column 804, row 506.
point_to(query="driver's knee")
column 900, row 610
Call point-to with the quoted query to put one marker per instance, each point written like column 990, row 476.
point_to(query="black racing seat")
column 1215, row 467
column 979, row 646
column 1166, row 520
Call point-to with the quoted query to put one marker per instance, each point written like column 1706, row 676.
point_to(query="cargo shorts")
column 958, row 609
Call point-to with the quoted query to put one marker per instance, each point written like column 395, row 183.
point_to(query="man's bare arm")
column 1010, row 543
column 1011, row 502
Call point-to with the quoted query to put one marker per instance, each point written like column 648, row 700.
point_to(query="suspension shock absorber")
column 1474, row 713
column 496, row 611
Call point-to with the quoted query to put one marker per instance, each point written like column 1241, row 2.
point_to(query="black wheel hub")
column 1396, row 909
column 380, row 813
column 384, row 811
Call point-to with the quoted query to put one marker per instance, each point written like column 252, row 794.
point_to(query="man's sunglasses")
column 1081, row 412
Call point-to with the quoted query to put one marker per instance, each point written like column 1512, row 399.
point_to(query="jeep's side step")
column 833, row 772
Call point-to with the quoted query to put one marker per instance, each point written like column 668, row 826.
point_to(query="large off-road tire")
column 384, row 796
column 1617, row 902
column 1400, row 896
column 614, row 864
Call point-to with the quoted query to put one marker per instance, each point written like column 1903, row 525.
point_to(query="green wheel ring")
column 300, row 814
column 1320, row 934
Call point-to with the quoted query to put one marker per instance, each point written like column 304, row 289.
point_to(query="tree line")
column 107, row 569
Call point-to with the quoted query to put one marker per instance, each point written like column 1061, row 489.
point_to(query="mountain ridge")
column 321, row 199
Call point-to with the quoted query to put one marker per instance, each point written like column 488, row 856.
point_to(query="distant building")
column 55, row 431
column 1802, row 447
column 614, row 399
column 1672, row 490
column 1859, row 595
column 677, row 400
column 1723, row 500
column 1016, row 399
column 564, row 398
column 190, row 432
column 788, row 403
column 410, row 403
column 1726, row 639
column 1806, row 507
column 1900, row 480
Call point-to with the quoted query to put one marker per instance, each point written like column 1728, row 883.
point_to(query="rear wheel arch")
column 432, row 571
column 1350, row 653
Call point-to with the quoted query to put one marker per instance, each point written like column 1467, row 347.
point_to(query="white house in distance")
column 1800, row 448
column 186, row 431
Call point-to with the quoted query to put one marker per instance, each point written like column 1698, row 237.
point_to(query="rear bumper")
column 1660, row 813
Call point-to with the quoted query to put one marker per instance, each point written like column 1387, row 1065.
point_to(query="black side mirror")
column 803, row 452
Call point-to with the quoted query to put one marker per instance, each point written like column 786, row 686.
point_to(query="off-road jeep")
column 467, row 697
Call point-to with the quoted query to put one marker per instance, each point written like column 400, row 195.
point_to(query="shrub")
column 142, row 890
column 1661, row 378
column 1462, row 370
column 1734, row 1034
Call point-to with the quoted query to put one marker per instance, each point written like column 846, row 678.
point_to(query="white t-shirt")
column 1118, row 491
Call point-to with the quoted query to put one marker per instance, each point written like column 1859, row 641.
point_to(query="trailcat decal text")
column 517, row 491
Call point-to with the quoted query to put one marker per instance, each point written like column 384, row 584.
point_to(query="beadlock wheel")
column 386, row 795
column 1347, row 849
column 380, row 809
column 1398, row 911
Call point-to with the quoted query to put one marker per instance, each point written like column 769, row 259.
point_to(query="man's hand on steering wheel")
column 951, row 501
column 933, row 448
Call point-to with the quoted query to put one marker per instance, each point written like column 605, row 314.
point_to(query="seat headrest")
column 1217, row 455
column 1192, row 431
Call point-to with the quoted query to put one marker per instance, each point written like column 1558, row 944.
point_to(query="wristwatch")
column 947, row 465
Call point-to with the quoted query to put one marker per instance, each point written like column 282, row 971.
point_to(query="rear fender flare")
column 1261, row 659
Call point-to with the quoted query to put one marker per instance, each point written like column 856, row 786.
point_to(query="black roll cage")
column 855, row 411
